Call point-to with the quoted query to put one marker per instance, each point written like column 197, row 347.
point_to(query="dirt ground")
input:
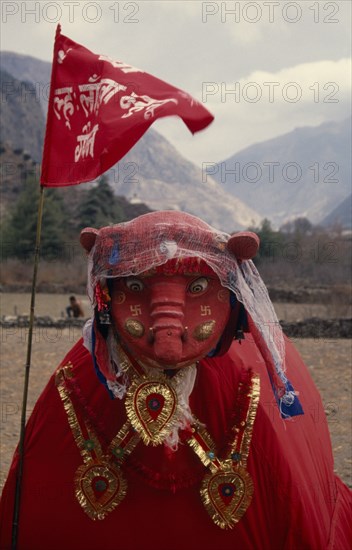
column 329, row 362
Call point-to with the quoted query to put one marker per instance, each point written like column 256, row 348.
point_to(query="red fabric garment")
column 99, row 108
column 298, row 502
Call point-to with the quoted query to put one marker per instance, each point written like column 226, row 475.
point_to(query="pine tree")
column 271, row 242
column 99, row 207
column 19, row 232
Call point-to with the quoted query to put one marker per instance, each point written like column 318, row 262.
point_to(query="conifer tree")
column 100, row 206
column 271, row 242
column 19, row 231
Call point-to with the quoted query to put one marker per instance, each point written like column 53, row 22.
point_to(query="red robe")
column 298, row 502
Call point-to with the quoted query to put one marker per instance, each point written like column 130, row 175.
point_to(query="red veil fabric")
column 298, row 502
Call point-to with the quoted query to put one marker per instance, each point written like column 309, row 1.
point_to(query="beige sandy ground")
column 329, row 362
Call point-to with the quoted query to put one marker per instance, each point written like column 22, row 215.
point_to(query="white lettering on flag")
column 65, row 104
column 86, row 141
column 135, row 103
column 98, row 92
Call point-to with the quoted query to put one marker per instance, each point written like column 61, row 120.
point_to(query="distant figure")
column 75, row 308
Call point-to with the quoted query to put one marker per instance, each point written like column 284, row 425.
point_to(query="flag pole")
column 15, row 521
column 45, row 161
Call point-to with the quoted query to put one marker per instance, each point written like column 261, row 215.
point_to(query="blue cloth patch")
column 233, row 299
column 215, row 350
column 114, row 256
column 287, row 410
column 98, row 372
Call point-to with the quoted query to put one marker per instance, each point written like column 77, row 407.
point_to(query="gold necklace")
column 153, row 410
column 153, row 404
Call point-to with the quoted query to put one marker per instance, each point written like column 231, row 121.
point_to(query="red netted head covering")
column 174, row 240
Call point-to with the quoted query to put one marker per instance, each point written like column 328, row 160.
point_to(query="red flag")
column 99, row 108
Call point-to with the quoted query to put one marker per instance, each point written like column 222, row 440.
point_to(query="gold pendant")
column 100, row 487
column 153, row 411
column 152, row 408
column 226, row 494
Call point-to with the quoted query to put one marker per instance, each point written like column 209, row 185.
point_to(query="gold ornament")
column 227, row 490
column 99, row 488
column 226, row 494
column 99, row 482
column 204, row 330
column 153, row 412
column 134, row 328
column 152, row 408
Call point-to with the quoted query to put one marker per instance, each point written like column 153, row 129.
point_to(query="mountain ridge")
column 304, row 172
column 22, row 119
column 164, row 180
column 155, row 173
column 341, row 215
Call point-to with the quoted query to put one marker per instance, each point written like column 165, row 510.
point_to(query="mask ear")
column 87, row 238
column 243, row 245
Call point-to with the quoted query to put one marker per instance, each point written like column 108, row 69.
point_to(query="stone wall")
column 308, row 328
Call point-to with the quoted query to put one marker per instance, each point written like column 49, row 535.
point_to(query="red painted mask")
column 170, row 321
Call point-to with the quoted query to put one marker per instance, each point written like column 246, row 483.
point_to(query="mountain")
column 18, row 168
column 341, row 215
column 305, row 173
column 22, row 119
column 29, row 69
column 153, row 172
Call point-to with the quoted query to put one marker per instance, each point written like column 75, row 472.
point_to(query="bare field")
column 54, row 305
column 328, row 362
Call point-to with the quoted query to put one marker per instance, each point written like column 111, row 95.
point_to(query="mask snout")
column 167, row 314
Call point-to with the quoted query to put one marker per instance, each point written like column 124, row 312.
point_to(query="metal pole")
column 16, row 512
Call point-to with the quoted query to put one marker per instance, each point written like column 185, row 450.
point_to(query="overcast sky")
column 261, row 67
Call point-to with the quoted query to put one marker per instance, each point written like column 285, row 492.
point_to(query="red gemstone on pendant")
column 155, row 403
column 226, row 492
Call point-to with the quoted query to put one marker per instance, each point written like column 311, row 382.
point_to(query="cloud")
column 305, row 59
column 265, row 104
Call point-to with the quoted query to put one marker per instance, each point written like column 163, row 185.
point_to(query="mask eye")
column 135, row 285
column 198, row 285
